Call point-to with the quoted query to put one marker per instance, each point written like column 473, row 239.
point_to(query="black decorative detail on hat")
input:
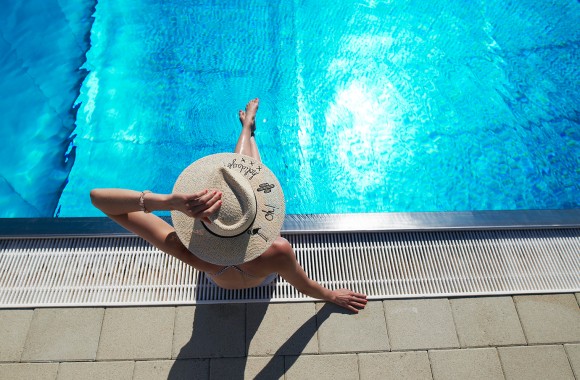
column 247, row 171
column 265, row 187
column 269, row 214
column 256, row 231
column 247, row 230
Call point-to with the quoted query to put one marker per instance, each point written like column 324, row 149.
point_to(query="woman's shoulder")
column 277, row 257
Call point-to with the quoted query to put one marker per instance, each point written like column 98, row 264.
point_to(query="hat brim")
column 262, row 232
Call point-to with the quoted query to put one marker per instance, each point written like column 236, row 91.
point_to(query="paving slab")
column 96, row 370
column 321, row 367
column 551, row 318
column 420, row 324
column 410, row 365
column 573, row 352
column 473, row 364
column 63, row 334
column 14, row 325
column 535, row 362
column 172, row 369
column 209, row 331
column 267, row 367
column 281, row 329
column 487, row 321
column 27, row 371
column 578, row 298
column 137, row 333
column 343, row 331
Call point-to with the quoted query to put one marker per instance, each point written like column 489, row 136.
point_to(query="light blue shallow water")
column 374, row 106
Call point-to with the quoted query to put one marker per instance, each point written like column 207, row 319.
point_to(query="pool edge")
column 319, row 223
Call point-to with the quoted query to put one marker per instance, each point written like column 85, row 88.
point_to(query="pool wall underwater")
column 43, row 46
column 322, row 223
column 366, row 108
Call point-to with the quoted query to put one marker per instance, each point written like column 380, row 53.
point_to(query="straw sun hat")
column 250, row 217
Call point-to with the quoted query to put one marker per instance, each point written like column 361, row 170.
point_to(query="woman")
column 131, row 209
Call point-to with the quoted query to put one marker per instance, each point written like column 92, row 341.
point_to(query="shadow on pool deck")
column 219, row 341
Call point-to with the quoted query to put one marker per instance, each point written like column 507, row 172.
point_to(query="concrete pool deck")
column 511, row 337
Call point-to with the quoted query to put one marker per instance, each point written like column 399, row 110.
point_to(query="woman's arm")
column 121, row 201
column 123, row 207
column 288, row 267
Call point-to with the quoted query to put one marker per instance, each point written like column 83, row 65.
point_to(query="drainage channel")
column 125, row 270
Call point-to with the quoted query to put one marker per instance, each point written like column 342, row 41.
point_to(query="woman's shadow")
column 223, row 332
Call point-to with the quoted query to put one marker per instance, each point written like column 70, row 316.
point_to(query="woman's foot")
column 248, row 117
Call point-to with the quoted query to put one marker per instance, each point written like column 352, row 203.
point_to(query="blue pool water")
column 369, row 106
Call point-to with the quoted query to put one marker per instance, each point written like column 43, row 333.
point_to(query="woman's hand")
column 199, row 205
column 349, row 300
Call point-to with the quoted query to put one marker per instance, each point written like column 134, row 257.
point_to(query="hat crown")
column 250, row 217
column 238, row 209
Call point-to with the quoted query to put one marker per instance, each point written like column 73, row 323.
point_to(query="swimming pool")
column 378, row 106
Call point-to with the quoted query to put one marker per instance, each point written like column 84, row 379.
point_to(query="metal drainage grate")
column 109, row 271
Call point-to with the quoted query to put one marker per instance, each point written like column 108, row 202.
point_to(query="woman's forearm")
column 315, row 290
column 121, row 201
column 346, row 298
column 288, row 267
